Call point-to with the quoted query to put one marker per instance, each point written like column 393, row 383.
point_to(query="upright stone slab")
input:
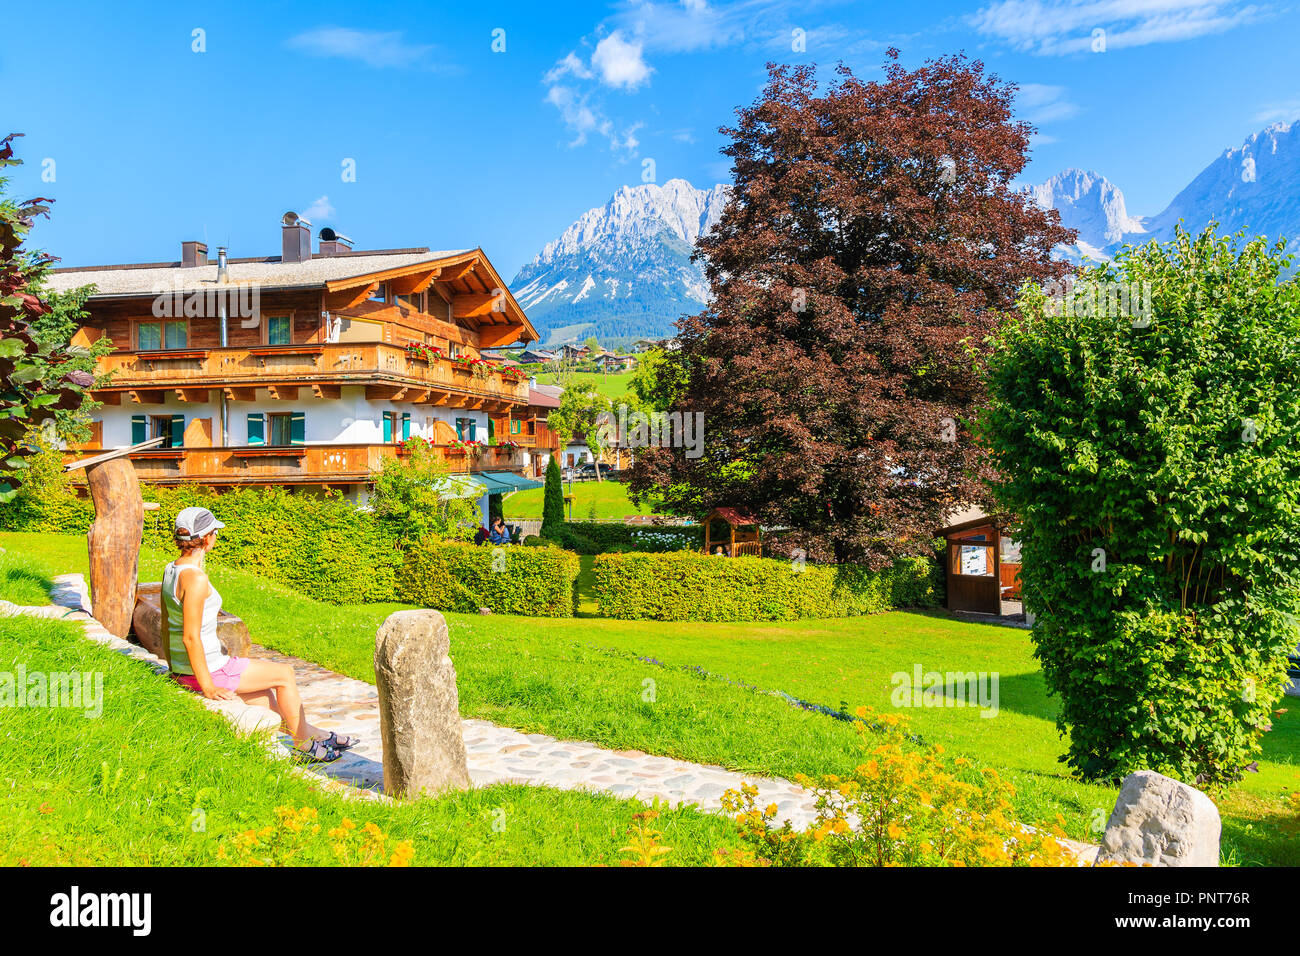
column 419, row 709
column 1161, row 822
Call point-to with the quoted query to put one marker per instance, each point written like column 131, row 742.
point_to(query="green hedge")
column 686, row 586
column 452, row 576
column 596, row 537
column 324, row 547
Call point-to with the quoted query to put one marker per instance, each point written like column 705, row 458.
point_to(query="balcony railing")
column 293, row 464
column 341, row 363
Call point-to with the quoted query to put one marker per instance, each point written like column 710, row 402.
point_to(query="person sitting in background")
column 499, row 534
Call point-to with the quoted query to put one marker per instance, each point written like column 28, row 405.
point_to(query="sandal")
column 318, row 752
column 339, row 743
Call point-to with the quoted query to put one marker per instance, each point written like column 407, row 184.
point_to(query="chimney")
column 295, row 238
column 221, row 264
column 194, row 253
column 333, row 243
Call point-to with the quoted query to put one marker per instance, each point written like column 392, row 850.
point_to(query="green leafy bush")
column 600, row 537
column 685, row 586
column 452, row 576
column 1156, row 469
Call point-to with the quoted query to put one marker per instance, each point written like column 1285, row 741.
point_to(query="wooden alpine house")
column 304, row 369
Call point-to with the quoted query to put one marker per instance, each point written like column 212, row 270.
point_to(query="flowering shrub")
column 643, row 841
column 425, row 353
column 899, row 807
column 466, row 446
column 297, row 840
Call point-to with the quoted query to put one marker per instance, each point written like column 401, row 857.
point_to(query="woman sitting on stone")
column 189, row 638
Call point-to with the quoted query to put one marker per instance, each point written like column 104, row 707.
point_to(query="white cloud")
column 376, row 48
column 620, row 62
column 571, row 64
column 320, row 211
column 1060, row 27
column 1041, row 103
column 1285, row 112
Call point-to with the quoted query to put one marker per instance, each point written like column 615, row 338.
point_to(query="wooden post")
column 114, row 537
column 114, row 542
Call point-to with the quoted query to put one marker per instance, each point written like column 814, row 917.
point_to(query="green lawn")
column 607, row 498
column 156, row 780
column 615, row 385
column 581, row 678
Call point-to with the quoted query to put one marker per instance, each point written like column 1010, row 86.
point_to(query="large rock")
column 146, row 623
column 419, row 709
column 1161, row 822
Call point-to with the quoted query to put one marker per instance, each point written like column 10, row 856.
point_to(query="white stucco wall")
column 349, row 419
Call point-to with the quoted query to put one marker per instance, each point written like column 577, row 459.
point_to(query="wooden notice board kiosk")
column 982, row 566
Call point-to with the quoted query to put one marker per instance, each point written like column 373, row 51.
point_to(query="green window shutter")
column 178, row 432
column 139, row 429
column 473, row 425
column 460, row 429
column 406, row 425
column 298, row 428
column 514, row 426
column 491, row 430
column 388, row 427
column 256, row 428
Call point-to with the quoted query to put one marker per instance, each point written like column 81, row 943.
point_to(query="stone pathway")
column 495, row 754
column 502, row 755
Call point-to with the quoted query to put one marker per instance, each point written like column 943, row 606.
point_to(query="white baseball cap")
column 196, row 522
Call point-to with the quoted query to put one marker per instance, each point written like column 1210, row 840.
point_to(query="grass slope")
column 581, row 679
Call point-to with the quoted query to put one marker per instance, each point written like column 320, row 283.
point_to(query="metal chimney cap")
column 291, row 218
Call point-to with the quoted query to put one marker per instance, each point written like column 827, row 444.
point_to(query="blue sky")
column 149, row 141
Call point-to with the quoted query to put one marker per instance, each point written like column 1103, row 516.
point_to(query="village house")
column 306, row 369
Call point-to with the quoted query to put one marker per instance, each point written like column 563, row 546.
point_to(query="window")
column 465, row 428
column 170, row 428
column 280, row 428
column 380, row 294
column 279, row 330
column 391, row 427
column 161, row 335
column 414, row 301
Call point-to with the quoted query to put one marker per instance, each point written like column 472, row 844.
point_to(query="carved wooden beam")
column 191, row 394
column 283, row 393
column 240, row 394
column 386, row 393
column 326, row 391
column 147, row 396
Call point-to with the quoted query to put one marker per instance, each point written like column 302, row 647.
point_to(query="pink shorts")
column 227, row 676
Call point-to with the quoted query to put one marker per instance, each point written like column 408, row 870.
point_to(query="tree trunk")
column 114, row 542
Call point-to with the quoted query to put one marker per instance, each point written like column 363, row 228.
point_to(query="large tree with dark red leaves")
column 871, row 239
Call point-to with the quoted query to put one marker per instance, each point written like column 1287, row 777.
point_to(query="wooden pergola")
column 746, row 537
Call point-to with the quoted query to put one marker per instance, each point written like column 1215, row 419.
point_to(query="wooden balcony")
column 386, row 371
column 292, row 464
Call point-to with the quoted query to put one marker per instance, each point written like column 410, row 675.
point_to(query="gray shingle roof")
column 266, row 273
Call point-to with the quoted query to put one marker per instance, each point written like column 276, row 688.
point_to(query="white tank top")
column 175, row 625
